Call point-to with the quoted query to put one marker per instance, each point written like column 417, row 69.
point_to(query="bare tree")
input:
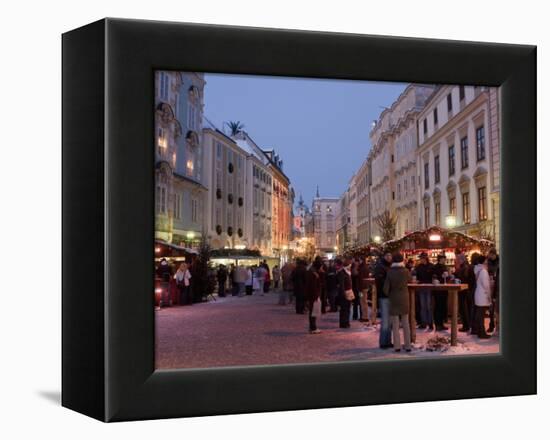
column 386, row 224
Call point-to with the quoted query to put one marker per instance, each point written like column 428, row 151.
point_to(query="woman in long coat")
column 395, row 287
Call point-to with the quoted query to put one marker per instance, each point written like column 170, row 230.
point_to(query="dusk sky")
column 320, row 128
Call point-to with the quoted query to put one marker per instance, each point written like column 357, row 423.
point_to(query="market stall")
column 166, row 292
column 437, row 241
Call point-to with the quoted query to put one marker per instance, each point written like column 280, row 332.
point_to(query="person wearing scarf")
column 395, row 287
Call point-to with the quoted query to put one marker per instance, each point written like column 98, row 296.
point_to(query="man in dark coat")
column 380, row 273
column 493, row 267
column 313, row 294
column 355, row 287
column 298, row 278
column 440, row 296
column 395, row 287
column 464, row 272
column 424, row 273
column 332, row 286
column 343, row 270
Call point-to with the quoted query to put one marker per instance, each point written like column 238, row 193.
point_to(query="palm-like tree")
column 235, row 127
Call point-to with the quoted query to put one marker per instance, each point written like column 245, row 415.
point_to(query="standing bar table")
column 453, row 289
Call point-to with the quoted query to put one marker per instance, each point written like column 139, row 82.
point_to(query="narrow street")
column 254, row 330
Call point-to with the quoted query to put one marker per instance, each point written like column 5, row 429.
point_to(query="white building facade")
column 458, row 160
column 226, row 176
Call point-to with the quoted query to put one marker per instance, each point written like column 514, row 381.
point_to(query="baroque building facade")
column 323, row 224
column 227, row 207
column 458, row 147
column 393, row 160
column 179, row 188
column 281, row 206
column 258, row 194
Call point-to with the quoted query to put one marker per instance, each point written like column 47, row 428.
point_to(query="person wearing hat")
column 440, row 296
column 424, row 274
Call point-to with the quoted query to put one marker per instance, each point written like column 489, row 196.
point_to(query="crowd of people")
column 247, row 280
column 344, row 286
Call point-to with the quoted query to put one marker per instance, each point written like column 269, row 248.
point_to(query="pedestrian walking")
column 286, row 274
column 299, row 284
column 258, row 280
column 380, row 273
column 222, row 279
column 424, row 275
column 313, row 294
column 396, row 289
column 345, row 291
column 183, row 277
column 482, row 296
column 276, row 272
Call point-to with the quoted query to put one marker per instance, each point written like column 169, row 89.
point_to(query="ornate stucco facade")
column 179, row 188
column 458, row 148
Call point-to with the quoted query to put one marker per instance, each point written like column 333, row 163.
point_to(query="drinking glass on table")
column 445, row 276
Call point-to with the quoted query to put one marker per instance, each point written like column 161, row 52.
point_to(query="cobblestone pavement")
column 254, row 330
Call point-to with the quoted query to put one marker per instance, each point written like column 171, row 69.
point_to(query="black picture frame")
column 108, row 222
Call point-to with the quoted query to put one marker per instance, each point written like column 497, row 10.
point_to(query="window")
column 480, row 143
column 219, row 151
column 161, row 199
column 425, row 125
column 426, row 216
column 461, row 93
column 435, row 116
column 177, row 206
column 466, row 208
column 449, row 103
column 194, row 210
column 437, row 212
column 482, row 201
column 406, row 186
column 191, row 117
column 426, row 175
column 190, row 162
column 464, row 152
column 163, row 88
column 437, row 176
column 452, row 206
column 398, row 191
column 413, row 182
column 161, row 140
column 451, row 160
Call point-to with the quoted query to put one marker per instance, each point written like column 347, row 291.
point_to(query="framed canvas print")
column 262, row 220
